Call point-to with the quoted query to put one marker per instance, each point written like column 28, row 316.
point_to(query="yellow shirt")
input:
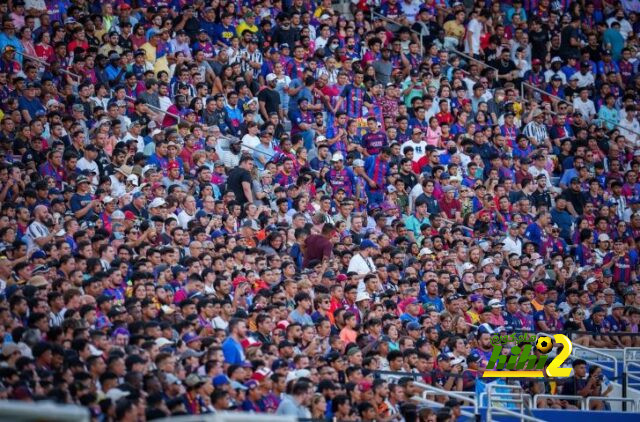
column 150, row 52
column 244, row 26
column 475, row 318
column 162, row 64
column 319, row 11
column 453, row 29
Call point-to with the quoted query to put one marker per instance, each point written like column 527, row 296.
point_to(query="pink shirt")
column 432, row 137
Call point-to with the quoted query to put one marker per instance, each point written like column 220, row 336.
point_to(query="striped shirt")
column 536, row 131
column 36, row 230
column 247, row 57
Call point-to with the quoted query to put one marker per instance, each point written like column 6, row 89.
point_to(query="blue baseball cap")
column 220, row 380
column 368, row 244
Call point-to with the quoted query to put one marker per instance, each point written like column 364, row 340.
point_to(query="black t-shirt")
column 409, row 179
column 539, row 44
column 234, row 183
column 503, row 67
column 576, row 199
column 572, row 386
column 566, row 49
column 271, row 100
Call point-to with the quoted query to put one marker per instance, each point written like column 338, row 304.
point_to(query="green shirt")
column 413, row 224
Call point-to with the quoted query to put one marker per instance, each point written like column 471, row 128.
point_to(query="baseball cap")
column 368, row 244
column 541, row 289
column 495, row 303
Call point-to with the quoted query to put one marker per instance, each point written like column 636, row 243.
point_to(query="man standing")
column 361, row 262
column 319, row 247
column 376, row 170
column 232, row 346
column 239, row 181
column 269, row 99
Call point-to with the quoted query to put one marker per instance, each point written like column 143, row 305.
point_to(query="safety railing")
column 498, row 402
column 15, row 410
column 578, row 399
column 525, row 399
column 492, row 411
column 562, row 100
column 45, row 64
column 158, row 110
column 483, row 398
column 590, row 355
column 632, row 354
column 473, row 59
column 394, row 22
column 631, row 369
column 433, row 403
column 596, row 353
column 626, row 401
column 465, row 397
column 632, row 374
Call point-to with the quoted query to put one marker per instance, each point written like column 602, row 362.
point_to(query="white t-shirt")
column 360, row 265
column 511, row 245
column 249, row 142
column 630, row 129
column 474, row 30
column 84, row 164
column 184, row 218
column 586, row 108
column 584, row 80
column 419, row 149
column 117, row 188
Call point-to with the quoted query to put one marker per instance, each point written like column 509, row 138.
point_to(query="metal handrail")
column 619, row 399
column 458, row 395
column 157, row 109
column 632, row 378
column 383, row 17
column 558, row 396
column 516, row 390
column 18, row 410
column 535, row 88
column 543, row 92
column 484, row 395
column 507, row 412
column 599, row 353
column 595, row 352
column 44, row 63
column 473, row 59
column 438, row 404
column 628, row 350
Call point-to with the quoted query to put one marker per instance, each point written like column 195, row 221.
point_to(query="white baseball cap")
column 337, row 157
column 157, row 202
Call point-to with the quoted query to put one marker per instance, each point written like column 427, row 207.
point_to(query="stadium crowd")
column 269, row 206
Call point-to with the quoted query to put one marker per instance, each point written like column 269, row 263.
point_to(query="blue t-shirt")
column 78, row 202
column 224, row 33
column 32, row 106
column 232, row 350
